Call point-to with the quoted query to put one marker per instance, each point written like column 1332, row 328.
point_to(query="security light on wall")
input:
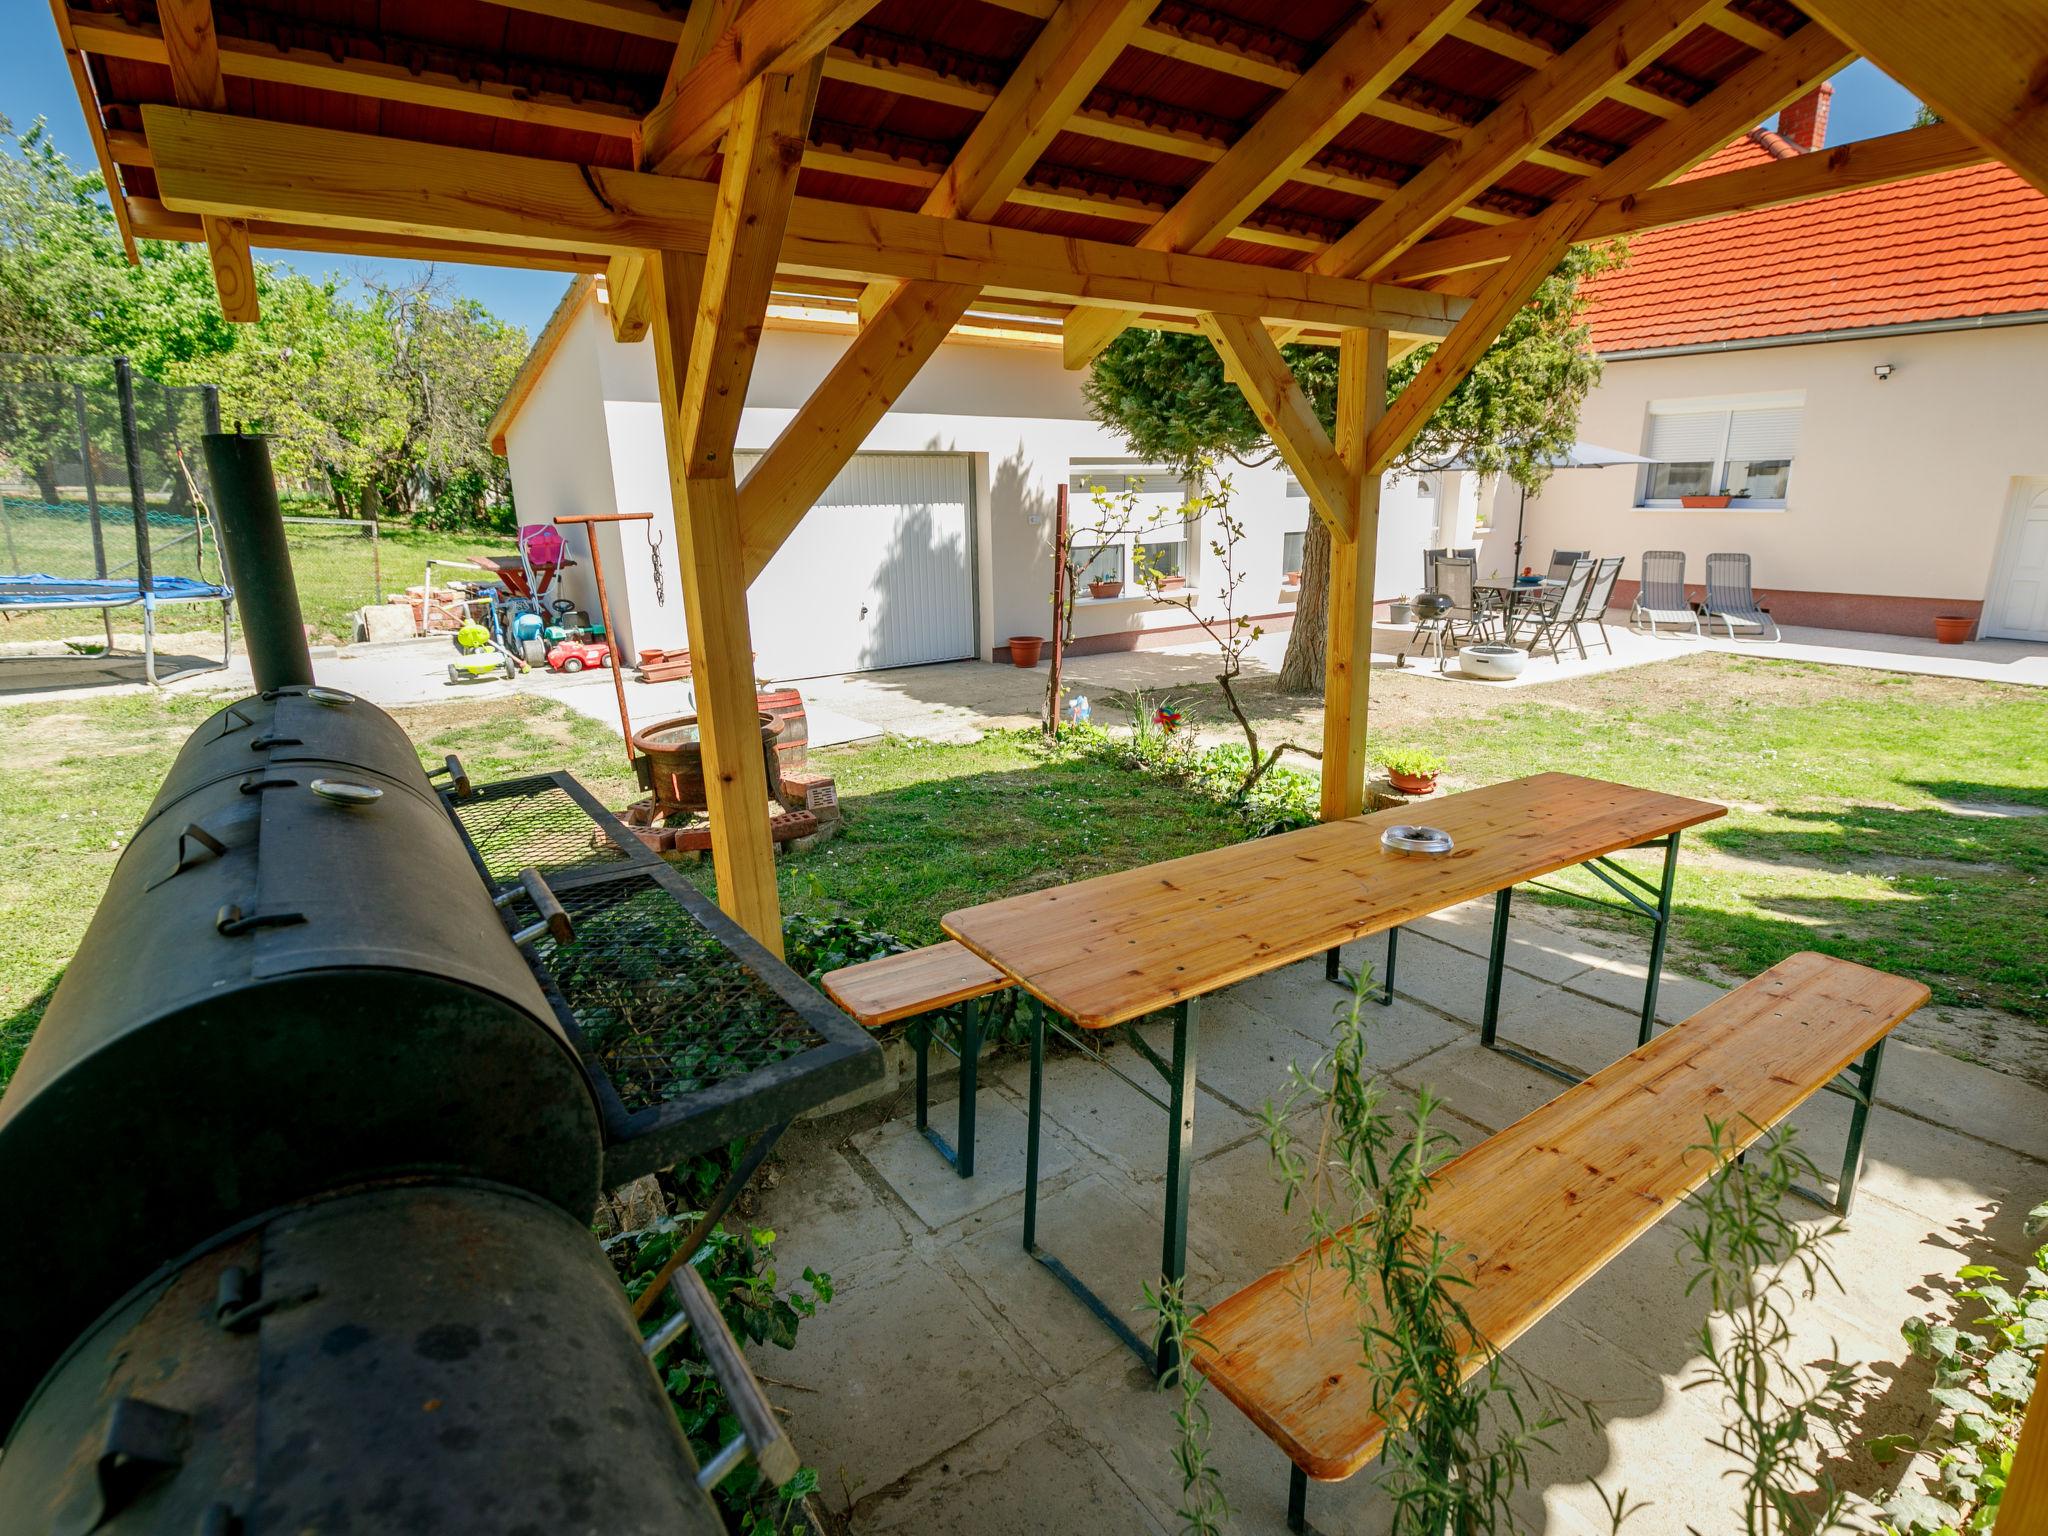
column 1883, row 371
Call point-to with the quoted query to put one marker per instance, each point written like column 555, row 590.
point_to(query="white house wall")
column 1898, row 488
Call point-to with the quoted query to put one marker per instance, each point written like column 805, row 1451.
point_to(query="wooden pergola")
column 1376, row 178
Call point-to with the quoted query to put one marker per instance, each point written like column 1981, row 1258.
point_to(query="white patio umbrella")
column 1580, row 455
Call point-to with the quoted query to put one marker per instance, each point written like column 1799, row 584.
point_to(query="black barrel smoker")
column 298, row 1169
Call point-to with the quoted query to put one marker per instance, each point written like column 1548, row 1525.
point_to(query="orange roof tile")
column 1957, row 245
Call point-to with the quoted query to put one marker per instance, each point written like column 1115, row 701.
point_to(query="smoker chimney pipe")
column 259, row 564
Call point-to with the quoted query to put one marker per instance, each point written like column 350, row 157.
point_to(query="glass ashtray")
column 1413, row 839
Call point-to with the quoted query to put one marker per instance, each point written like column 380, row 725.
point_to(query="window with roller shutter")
column 1741, row 449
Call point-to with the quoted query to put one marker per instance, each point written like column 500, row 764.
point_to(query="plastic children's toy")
column 575, row 655
column 480, row 657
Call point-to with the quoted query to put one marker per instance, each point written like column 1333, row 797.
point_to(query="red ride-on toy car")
column 575, row 655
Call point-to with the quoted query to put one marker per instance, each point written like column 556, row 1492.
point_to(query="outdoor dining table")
column 1106, row 952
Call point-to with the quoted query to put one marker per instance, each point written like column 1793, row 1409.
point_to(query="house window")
column 1740, row 449
column 1099, row 562
column 1149, row 541
column 1290, row 554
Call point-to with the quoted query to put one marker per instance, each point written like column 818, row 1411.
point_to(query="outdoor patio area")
column 987, row 1399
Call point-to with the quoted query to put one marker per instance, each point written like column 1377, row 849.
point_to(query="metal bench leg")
column 1332, row 959
column 970, row 1062
column 921, row 1042
column 1297, row 1499
column 1496, row 965
column 1037, row 1103
column 1180, row 1164
column 1859, row 1122
column 1393, row 944
column 1660, row 933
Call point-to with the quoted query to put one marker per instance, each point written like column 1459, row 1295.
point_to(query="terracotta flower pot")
column 1105, row 589
column 1171, row 583
column 1704, row 501
column 1953, row 628
column 1024, row 650
column 1411, row 783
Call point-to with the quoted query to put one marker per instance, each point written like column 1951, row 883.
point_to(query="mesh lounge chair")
column 1430, row 558
column 1661, row 599
column 1559, row 612
column 1599, row 592
column 1730, row 599
column 1562, row 561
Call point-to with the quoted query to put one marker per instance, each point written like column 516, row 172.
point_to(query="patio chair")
column 1660, row 598
column 1730, row 599
column 1430, row 558
column 1562, row 561
column 1557, row 613
column 1599, row 593
column 1455, row 577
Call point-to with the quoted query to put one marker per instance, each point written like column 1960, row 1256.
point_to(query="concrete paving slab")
column 1618, row 981
column 1537, row 946
column 1242, row 1051
column 898, row 1368
column 1111, row 1118
column 1479, row 1085
column 924, row 1181
column 1991, row 1106
column 1108, row 1235
column 823, row 1212
column 976, row 1486
column 1453, row 981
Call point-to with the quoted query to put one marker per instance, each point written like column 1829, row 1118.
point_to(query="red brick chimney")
column 1804, row 124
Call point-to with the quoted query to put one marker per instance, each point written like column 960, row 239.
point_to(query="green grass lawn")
column 1842, row 834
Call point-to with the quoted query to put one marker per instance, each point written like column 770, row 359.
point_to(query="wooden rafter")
column 96, row 126
column 626, row 297
column 192, row 52
column 228, row 166
column 1505, row 291
column 1752, row 93
column 1254, row 364
column 1374, row 51
column 1543, row 105
column 1982, row 66
column 1864, row 163
column 766, row 37
column 869, row 377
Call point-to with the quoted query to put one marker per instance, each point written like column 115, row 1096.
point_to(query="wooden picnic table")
column 1106, row 952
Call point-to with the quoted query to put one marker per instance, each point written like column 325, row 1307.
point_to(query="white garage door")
column 880, row 573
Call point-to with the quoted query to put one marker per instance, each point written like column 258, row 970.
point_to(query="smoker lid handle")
column 773, row 1451
column 544, row 902
column 456, row 775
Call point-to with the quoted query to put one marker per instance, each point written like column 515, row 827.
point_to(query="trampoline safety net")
column 105, row 501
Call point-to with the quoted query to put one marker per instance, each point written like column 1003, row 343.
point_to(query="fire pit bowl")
column 1496, row 663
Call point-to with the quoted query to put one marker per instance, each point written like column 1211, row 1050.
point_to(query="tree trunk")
column 1308, row 642
column 46, row 482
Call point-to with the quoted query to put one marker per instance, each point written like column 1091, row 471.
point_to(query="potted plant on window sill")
column 1412, row 770
column 1717, row 499
column 1100, row 588
column 1168, row 583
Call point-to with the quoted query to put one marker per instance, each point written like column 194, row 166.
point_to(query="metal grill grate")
column 534, row 823
column 664, row 1005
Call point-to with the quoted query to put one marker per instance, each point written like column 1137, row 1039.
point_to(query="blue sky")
column 34, row 82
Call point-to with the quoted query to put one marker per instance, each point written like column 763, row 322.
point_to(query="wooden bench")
column 1540, row 1207
column 922, row 981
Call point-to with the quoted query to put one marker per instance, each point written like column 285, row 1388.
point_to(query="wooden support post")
column 2024, row 1509
column 715, row 609
column 1347, row 668
column 192, row 51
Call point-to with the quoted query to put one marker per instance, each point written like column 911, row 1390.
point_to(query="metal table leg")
column 1333, row 966
column 1659, row 934
column 1179, row 1073
column 961, row 1153
column 1297, row 1499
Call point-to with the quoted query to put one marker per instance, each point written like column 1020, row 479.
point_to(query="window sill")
column 1672, row 506
column 1121, row 600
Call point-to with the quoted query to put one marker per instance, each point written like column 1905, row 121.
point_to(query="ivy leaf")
column 1931, row 1341
column 1886, row 1449
column 2010, row 1374
column 1962, row 1400
column 2037, row 1220
column 1978, row 1272
column 1973, row 1428
column 1912, row 1511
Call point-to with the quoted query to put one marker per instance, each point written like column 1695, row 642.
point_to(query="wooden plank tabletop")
column 1119, row 946
column 1543, row 1205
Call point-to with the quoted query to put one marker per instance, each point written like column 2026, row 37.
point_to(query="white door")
column 880, row 573
column 2018, row 609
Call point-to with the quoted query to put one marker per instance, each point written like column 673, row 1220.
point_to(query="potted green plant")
column 1104, row 588
column 1412, row 770
column 1719, row 498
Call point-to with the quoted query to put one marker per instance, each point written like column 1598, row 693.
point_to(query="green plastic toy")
column 480, row 658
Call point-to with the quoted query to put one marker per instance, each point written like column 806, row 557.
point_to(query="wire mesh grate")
column 663, row 1004
column 533, row 823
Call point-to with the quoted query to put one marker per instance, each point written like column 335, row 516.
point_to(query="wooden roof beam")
column 1750, row 94
column 766, row 37
column 208, row 163
column 1982, row 66
column 192, row 52
column 247, row 59
column 1373, row 52
column 1253, row 363
column 96, row 126
column 1536, row 110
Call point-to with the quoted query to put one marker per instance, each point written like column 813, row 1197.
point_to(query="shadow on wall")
column 1019, row 552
